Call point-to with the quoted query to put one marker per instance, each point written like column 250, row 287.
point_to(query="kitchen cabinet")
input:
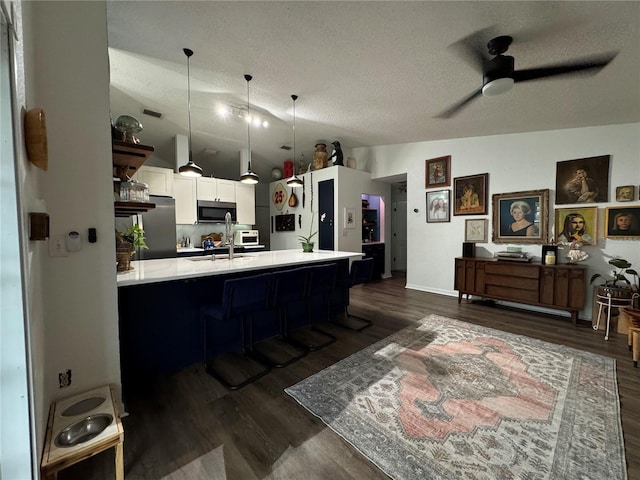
column 127, row 158
column 215, row 189
column 160, row 180
column 370, row 230
column 245, row 204
column 554, row 286
column 184, row 193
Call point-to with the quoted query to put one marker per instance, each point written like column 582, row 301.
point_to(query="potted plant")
column 618, row 284
column 306, row 242
column 126, row 244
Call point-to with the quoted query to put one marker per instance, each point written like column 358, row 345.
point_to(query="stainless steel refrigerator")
column 159, row 225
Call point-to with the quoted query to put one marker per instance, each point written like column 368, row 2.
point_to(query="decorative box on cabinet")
column 554, row 286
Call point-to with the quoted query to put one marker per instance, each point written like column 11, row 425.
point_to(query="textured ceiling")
column 367, row 73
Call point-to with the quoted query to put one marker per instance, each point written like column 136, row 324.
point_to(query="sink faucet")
column 229, row 233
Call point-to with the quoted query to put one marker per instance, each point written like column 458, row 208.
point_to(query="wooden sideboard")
column 554, row 286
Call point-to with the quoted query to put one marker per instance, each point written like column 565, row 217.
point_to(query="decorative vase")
column 307, row 247
column 124, row 252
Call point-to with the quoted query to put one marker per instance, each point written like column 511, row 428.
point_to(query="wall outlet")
column 58, row 246
column 64, row 379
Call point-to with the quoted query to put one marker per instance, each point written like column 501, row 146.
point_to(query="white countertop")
column 168, row 269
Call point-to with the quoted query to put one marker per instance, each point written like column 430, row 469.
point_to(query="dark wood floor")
column 187, row 426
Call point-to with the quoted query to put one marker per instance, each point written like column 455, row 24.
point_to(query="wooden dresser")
column 553, row 286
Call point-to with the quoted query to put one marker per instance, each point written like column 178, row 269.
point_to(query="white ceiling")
column 367, row 73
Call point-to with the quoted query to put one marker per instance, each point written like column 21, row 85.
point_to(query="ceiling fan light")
column 497, row 86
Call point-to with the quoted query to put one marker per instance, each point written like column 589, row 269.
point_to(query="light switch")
column 58, row 246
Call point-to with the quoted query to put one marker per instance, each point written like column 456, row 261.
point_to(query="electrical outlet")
column 64, row 379
column 58, row 246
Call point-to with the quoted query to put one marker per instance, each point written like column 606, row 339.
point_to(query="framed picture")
column 585, row 180
column 438, row 208
column 475, row 230
column 470, row 194
column 626, row 193
column 521, row 217
column 579, row 223
column 623, row 222
column 437, row 172
column 349, row 218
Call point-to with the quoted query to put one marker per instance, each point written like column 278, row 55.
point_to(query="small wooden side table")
column 68, row 412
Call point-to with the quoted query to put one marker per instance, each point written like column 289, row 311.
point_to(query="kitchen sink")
column 221, row 256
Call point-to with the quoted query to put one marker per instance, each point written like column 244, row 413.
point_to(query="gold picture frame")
column 577, row 223
column 622, row 222
column 521, row 217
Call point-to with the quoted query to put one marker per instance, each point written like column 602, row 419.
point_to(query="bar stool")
column 361, row 272
column 241, row 299
column 321, row 281
column 289, row 292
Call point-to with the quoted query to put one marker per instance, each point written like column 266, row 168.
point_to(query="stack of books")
column 514, row 256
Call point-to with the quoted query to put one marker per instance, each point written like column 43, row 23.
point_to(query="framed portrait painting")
column 625, row 193
column 521, row 217
column 438, row 206
column 470, row 195
column 349, row 218
column 475, row 230
column 437, row 172
column 622, row 222
column 585, row 180
column 576, row 224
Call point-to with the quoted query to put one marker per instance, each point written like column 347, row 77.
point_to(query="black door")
column 325, row 215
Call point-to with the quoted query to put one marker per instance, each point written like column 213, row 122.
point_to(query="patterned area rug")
column 451, row 400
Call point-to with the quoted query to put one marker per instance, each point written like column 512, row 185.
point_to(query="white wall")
column 349, row 185
column 73, row 300
column 516, row 162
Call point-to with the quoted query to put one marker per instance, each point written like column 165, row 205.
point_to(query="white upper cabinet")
column 245, row 203
column 215, row 189
column 160, row 180
column 184, row 190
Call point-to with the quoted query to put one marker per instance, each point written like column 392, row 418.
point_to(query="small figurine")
column 337, row 153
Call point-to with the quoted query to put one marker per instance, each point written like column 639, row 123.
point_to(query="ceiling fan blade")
column 592, row 65
column 451, row 111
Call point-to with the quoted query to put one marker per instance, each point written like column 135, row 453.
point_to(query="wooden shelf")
column 128, row 157
column 126, row 209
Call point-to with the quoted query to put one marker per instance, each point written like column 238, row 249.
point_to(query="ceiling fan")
column 499, row 74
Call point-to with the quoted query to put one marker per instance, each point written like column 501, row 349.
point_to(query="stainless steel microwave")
column 215, row 212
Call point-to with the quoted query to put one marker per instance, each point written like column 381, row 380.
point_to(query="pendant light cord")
column 188, row 53
column 248, row 78
column 294, row 97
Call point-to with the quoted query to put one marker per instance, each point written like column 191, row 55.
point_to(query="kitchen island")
column 159, row 306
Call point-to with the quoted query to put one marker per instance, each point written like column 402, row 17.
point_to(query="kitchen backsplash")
column 195, row 232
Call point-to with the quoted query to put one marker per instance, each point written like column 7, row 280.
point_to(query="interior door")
column 325, row 215
column 399, row 236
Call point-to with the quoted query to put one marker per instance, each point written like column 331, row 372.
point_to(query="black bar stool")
column 361, row 272
column 321, row 281
column 288, row 292
column 230, row 323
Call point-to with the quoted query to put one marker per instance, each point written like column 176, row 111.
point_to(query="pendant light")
column 249, row 177
column 294, row 181
column 190, row 169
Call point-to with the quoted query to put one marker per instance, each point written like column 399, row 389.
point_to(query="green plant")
column 619, row 275
column 309, row 239
column 133, row 235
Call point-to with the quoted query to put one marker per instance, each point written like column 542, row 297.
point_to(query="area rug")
column 450, row 400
